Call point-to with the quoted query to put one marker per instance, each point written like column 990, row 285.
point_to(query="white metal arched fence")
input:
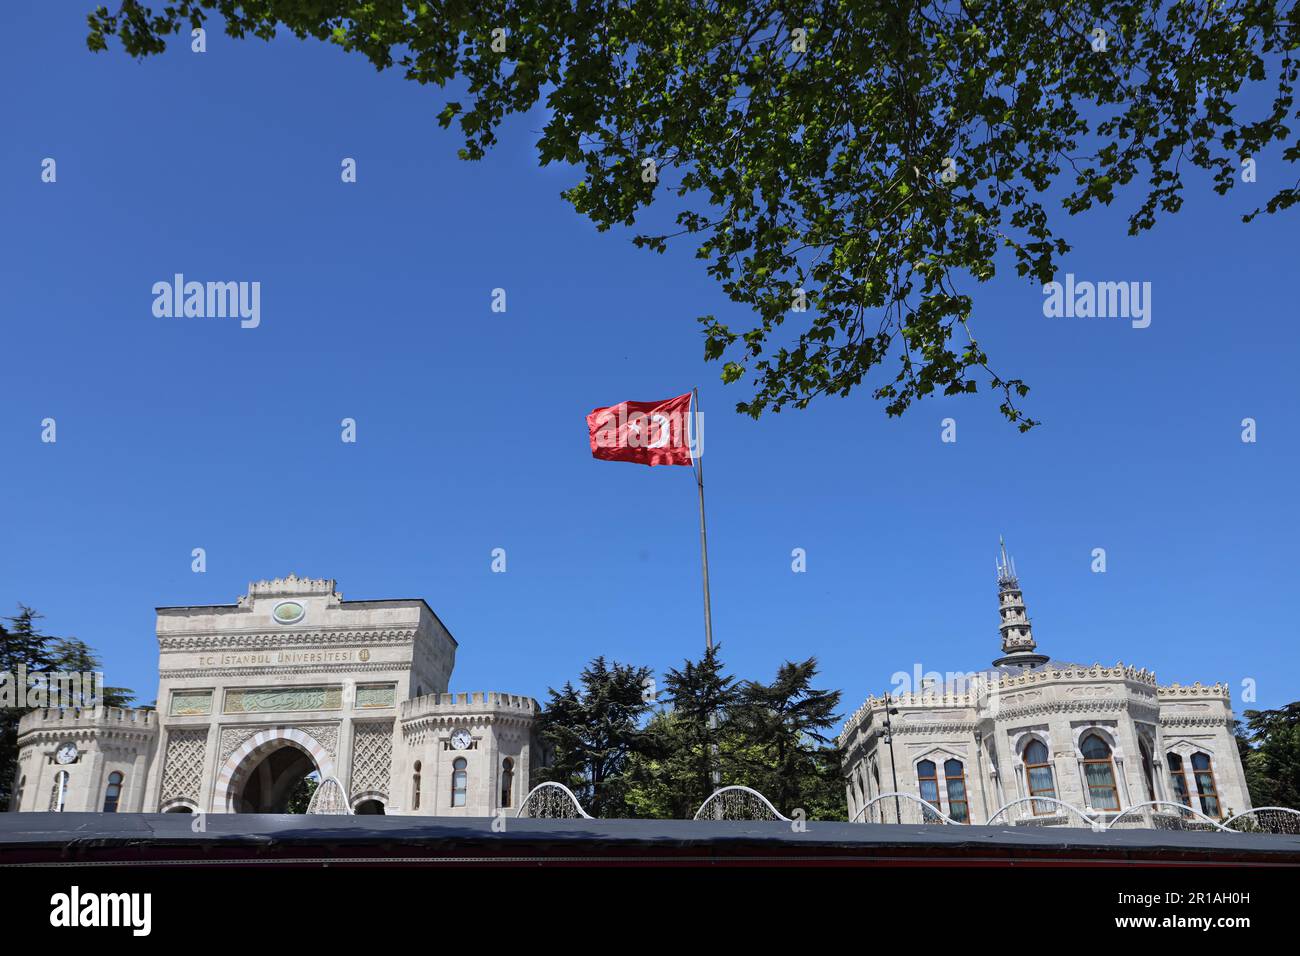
column 1164, row 815
column 1043, row 812
column 1265, row 820
column 738, row 803
column 901, row 808
column 329, row 798
column 552, row 801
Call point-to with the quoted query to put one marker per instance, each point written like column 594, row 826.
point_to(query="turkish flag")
column 647, row 433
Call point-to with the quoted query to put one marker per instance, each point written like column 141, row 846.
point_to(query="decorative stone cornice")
column 931, row 727
column 1195, row 720
column 415, row 727
column 240, row 640
column 1108, row 705
column 54, row 734
column 176, row 673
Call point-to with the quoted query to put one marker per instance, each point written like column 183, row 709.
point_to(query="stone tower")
column 1018, row 647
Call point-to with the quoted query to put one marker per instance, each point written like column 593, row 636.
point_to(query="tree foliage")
column 1270, row 754
column 299, row 798
column 702, row 698
column 622, row 757
column 804, row 145
column 590, row 734
column 23, row 648
column 793, row 762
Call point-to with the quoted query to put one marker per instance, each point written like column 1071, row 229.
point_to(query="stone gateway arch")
column 289, row 680
column 260, row 775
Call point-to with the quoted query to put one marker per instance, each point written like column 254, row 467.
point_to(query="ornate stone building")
column 289, row 681
column 1039, row 737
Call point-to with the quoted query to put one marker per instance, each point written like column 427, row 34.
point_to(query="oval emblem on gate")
column 288, row 612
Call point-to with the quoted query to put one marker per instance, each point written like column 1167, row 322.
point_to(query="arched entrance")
column 262, row 774
column 273, row 780
column 369, row 802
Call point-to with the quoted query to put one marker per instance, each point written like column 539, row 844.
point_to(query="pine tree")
column 22, row 645
column 74, row 656
column 23, row 648
column 702, row 697
column 1271, row 756
column 787, row 756
column 591, row 734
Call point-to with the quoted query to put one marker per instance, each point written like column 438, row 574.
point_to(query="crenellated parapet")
column 929, row 698
column 439, row 709
column 1175, row 692
column 290, row 586
column 983, row 690
column 1121, row 671
column 436, row 716
column 70, row 721
column 859, row 717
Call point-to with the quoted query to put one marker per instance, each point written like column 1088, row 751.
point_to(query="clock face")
column 66, row 753
column 460, row 739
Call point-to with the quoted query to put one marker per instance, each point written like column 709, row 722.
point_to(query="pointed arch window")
column 507, row 781
column 1038, row 775
column 18, row 797
column 1178, row 777
column 415, row 786
column 1099, row 772
column 459, row 781
column 1203, row 770
column 113, row 792
column 928, row 777
column 954, row 779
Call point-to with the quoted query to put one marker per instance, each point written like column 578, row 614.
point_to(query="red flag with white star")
column 646, row 433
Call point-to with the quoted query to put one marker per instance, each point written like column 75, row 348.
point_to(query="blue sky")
column 175, row 434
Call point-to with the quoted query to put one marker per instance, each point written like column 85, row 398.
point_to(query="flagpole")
column 698, row 462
